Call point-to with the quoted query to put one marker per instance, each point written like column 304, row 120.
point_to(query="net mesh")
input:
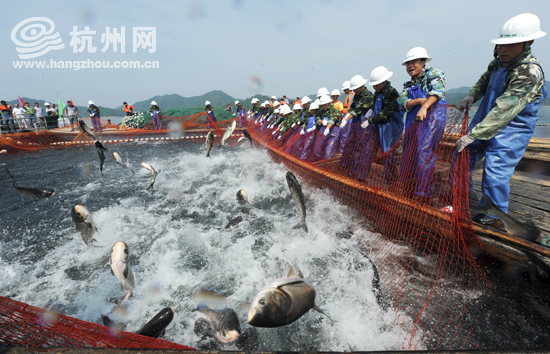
column 423, row 254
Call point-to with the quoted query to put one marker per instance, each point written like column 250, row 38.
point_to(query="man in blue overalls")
column 512, row 89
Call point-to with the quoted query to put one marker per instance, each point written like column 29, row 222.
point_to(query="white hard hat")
column 322, row 91
column 379, row 75
column 47, row 104
column 345, row 85
column 356, row 82
column 316, row 101
column 296, row 106
column 306, row 99
column 254, row 100
column 154, row 103
column 273, row 97
column 276, row 110
column 416, row 53
column 275, row 104
column 335, row 92
column 520, row 28
column 236, row 102
column 206, row 103
column 314, row 105
column 89, row 102
column 285, row 110
column 324, row 100
column 263, row 104
column 266, row 102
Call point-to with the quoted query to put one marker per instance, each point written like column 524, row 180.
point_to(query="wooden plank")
column 530, row 178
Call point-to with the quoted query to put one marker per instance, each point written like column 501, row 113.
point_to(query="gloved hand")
column 325, row 122
column 274, row 132
column 310, row 129
column 293, row 125
column 466, row 102
column 302, row 132
column 365, row 124
column 343, row 123
column 93, row 114
column 325, row 133
column 369, row 113
column 279, row 138
column 463, row 142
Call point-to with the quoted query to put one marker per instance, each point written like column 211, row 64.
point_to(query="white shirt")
column 38, row 111
column 19, row 111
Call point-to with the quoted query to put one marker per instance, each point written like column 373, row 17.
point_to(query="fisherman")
column 7, row 116
column 19, row 113
column 289, row 127
column 297, row 108
column 72, row 112
column 95, row 117
column 154, row 111
column 255, row 108
column 308, row 132
column 284, row 101
column 297, row 101
column 298, row 145
column 383, row 128
column 38, row 113
column 328, row 120
column 335, row 94
column 49, row 110
column 241, row 113
column 210, row 114
column 362, row 102
column 513, row 89
column 349, row 97
column 423, row 98
column 128, row 109
column 29, row 114
column 229, row 108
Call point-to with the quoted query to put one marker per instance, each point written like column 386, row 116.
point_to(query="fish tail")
column 301, row 225
column 11, row 176
column 323, row 312
column 208, row 154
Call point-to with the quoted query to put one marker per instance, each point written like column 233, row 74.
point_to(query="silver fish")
column 150, row 168
column 86, row 130
column 298, row 196
column 101, row 152
column 224, row 324
column 525, row 230
column 37, row 193
column 120, row 268
column 228, row 131
column 283, row 301
column 118, row 160
column 84, row 224
column 242, row 197
column 209, row 143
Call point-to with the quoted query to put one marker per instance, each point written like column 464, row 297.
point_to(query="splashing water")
column 178, row 244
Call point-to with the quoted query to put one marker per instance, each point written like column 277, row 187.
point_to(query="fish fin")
column 124, row 298
column 240, row 139
column 295, row 271
column 126, row 270
column 316, row 308
column 150, row 186
column 208, row 155
column 113, row 273
column 11, row 176
column 531, row 231
column 301, row 225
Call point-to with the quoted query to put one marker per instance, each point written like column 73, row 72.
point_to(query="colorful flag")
column 21, row 101
column 61, row 107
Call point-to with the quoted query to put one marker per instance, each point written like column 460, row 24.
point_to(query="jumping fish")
column 242, row 197
column 120, row 268
column 156, row 326
column 525, row 230
column 118, row 160
column 247, row 136
column 86, row 130
column 84, row 224
column 283, row 301
column 101, row 152
column 37, row 193
column 223, row 324
column 228, row 131
column 150, row 168
column 209, row 143
column 234, row 222
column 298, row 196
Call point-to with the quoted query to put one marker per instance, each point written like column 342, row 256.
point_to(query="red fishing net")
column 424, row 254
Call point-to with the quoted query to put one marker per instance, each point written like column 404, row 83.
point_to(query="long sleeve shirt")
column 154, row 108
column 94, row 108
column 334, row 116
column 431, row 82
column 362, row 102
column 523, row 85
column 389, row 106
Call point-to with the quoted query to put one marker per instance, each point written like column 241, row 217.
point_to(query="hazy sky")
column 291, row 47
